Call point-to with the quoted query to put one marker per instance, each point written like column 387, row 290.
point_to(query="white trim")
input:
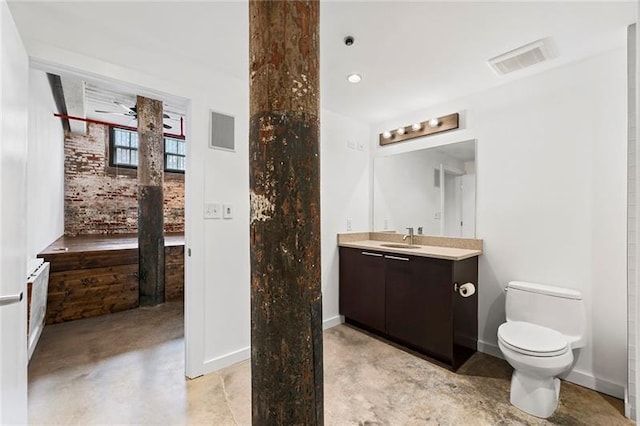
column 589, row 381
column 243, row 354
column 226, row 360
column 332, row 322
column 489, row 348
column 575, row 376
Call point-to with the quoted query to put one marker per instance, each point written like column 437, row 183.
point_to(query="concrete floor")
column 128, row 368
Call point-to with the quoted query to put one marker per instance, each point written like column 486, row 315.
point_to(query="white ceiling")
column 411, row 54
column 100, row 97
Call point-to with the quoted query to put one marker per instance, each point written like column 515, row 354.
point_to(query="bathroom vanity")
column 411, row 294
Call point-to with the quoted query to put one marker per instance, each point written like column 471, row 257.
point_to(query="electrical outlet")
column 349, row 224
column 360, row 145
column 386, row 224
column 437, row 215
column 212, row 211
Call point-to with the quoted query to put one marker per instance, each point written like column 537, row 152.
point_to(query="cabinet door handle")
column 406, row 259
column 366, row 253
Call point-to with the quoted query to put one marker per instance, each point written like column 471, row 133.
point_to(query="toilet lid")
column 532, row 339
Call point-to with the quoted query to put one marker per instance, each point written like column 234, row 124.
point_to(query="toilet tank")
column 558, row 308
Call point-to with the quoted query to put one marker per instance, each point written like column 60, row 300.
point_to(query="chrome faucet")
column 409, row 235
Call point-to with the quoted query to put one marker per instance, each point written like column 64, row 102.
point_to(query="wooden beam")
column 286, row 304
column 150, row 201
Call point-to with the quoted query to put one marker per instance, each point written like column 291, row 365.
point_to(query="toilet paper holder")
column 465, row 290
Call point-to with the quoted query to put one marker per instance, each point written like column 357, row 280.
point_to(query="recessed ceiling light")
column 354, row 78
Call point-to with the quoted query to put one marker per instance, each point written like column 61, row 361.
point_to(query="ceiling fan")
column 131, row 112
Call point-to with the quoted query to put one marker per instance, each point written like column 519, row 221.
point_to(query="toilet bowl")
column 544, row 325
column 537, row 354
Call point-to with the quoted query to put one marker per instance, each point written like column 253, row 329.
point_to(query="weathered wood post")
column 150, row 201
column 286, row 304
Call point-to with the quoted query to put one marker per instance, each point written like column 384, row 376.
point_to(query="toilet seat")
column 532, row 339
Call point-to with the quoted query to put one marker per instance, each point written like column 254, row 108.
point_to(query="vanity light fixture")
column 416, row 130
column 354, row 78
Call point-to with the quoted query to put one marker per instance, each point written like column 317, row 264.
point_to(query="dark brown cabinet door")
column 362, row 283
column 411, row 300
column 419, row 298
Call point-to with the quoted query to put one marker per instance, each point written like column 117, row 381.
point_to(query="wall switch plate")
column 360, row 145
column 349, row 224
column 212, row 211
column 351, row 144
column 227, row 211
column 437, row 215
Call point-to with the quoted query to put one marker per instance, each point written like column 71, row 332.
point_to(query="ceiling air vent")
column 524, row 56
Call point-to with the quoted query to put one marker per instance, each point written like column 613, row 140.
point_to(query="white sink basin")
column 398, row 245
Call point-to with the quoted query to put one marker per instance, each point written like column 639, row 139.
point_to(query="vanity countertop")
column 438, row 252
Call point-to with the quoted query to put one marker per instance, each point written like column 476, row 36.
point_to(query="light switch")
column 227, row 211
column 349, row 224
column 351, row 144
column 212, row 211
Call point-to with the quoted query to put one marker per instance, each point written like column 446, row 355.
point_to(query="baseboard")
column 332, row 322
column 490, row 349
column 589, row 381
column 575, row 376
column 226, row 360
column 231, row 358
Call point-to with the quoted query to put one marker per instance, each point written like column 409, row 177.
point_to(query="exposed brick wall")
column 103, row 200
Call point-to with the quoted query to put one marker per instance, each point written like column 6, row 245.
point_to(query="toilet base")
column 535, row 395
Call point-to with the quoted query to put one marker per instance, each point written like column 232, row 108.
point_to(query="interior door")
column 14, row 72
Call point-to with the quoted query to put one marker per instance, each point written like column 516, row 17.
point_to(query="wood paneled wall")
column 91, row 283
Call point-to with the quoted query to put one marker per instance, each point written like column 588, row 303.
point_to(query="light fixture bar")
column 417, row 130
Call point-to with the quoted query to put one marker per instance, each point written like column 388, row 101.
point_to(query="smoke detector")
column 524, row 56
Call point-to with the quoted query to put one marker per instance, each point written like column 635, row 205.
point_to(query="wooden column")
column 286, row 304
column 150, row 201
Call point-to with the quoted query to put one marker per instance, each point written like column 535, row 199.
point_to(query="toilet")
column 544, row 325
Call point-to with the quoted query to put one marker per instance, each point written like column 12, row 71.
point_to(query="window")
column 124, row 151
column 174, row 153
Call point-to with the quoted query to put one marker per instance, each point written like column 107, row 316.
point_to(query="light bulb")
column 386, row 134
column 434, row 122
column 400, row 131
column 416, row 126
column 354, row 78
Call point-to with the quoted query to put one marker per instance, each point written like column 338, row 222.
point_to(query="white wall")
column 14, row 87
column 344, row 194
column 217, row 272
column 45, row 167
column 217, row 276
column 551, row 203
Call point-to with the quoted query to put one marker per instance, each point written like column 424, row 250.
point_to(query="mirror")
column 433, row 189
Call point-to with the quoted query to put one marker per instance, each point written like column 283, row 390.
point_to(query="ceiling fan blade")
column 110, row 112
column 121, row 105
